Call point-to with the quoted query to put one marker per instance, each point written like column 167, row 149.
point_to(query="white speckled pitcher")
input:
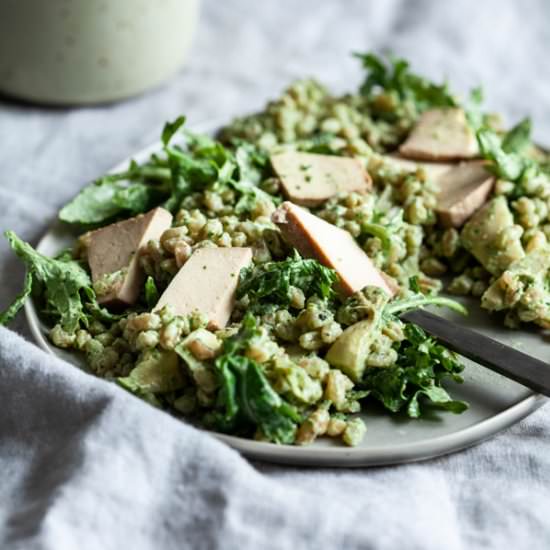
column 89, row 51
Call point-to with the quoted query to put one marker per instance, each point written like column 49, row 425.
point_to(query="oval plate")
column 495, row 402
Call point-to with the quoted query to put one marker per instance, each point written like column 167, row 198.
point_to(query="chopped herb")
column 151, row 292
column 171, row 128
column 413, row 284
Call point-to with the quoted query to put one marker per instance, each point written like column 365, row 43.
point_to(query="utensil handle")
column 529, row 371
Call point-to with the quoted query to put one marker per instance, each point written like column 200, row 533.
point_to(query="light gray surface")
column 83, row 465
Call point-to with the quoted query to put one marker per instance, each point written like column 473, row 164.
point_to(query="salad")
column 253, row 283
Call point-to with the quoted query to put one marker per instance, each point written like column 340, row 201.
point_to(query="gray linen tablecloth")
column 83, row 465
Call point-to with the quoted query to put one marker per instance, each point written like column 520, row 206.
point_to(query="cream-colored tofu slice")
column 441, row 135
column 310, row 179
column 113, row 255
column 462, row 191
column 331, row 246
column 434, row 170
column 207, row 284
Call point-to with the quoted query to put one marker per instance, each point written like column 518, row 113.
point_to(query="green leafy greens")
column 394, row 75
column 170, row 129
column 246, row 398
column 195, row 165
column 518, row 138
column 509, row 166
column 192, row 170
column 271, row 283
column 113, row 196
column 420, row 363
column 505, row 153
column 63, row 282
column 422, row 366
column 66, row 286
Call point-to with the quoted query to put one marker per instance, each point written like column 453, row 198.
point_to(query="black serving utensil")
column 528, row 371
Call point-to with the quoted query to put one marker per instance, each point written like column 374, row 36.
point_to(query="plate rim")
column 337, row 456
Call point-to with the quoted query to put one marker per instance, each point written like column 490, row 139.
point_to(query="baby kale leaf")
column 69, row 298
column 115, row 195
column 62, row 282
column 505, row 154
column 394, row 75
column 417, row 376
column 271, row 283
column 246, row 398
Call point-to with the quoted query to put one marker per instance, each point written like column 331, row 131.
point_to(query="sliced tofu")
column 441, row 135
column 463, row 190
column 207, row 283
column 434, row 170
column 113, row 255
column 309, row 179
column 330, row 245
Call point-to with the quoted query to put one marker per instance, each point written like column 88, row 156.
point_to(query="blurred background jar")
column 91, row 51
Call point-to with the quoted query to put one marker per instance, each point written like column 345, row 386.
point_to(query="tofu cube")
column 463, row 190
column 441, row 135
column 207, row 284
column 331, row 246
column 113, row 255
column 309, row 179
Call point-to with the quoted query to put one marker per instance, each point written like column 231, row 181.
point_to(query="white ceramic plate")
column 495, row 402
